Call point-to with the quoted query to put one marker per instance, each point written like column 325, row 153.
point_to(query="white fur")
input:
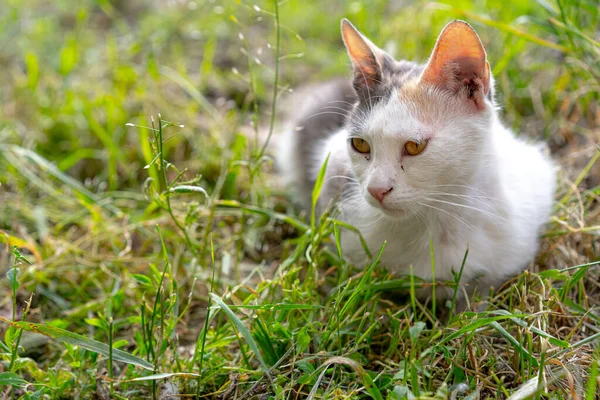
column 502, row 188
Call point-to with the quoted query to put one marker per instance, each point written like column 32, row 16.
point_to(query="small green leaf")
column 4, row 347
column 415, row 331
column 97, row 322
column 303, row 340
column 69, row 56
column 305, row 366
column 553, row 274
column 9, row 335
column 120, row 343
column 12, row 379
column 33, row 69
column 135, row 319
column 12, row 275
column 402, row 393
column 188, row 189
column 142, row 279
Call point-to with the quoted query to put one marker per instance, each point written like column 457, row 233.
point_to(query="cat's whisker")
column 336, row 108
column 448, row 213
column 344, row 177
column 419, row 217
column 353, row 185
column 366, row 84
column 466, row 186
column 341, row 101
column 362, row 118
column 353, row 194
column 353, row 198
column 375, row 222
column 324, row 113
column 465, row 196
column 346, row 112
column 476, row 201
column 479, row 194
column 488, row 213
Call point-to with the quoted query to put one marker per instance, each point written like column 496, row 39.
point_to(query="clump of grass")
column 166, row 262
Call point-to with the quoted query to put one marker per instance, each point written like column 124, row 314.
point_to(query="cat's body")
column 422, row 159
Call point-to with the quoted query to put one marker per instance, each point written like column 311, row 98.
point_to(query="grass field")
column 146, row 250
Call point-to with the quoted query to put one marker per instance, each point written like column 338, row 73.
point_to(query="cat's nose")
column 379, row 192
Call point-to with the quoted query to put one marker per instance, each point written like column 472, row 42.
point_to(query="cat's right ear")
column 367, row 68
column 459, row 63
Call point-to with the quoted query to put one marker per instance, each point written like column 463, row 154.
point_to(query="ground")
column 149, row 252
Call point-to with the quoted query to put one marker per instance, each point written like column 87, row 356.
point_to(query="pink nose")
column 379, row 192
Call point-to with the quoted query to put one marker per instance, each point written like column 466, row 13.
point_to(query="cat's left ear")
column 459, row 63
column 365, row 57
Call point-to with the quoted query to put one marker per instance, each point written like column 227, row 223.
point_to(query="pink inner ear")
column 458, row 59
column 366, row 67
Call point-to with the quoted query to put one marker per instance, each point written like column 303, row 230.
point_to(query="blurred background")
column 80, row 189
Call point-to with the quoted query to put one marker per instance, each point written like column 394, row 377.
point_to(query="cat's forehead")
column 398, row 117
column 411, row 110
column 394, row 118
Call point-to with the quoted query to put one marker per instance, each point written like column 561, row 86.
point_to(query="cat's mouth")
column 394, row 211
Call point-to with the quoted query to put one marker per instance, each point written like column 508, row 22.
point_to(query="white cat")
column 418, row 155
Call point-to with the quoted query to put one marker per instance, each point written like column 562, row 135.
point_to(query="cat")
column 418, row 157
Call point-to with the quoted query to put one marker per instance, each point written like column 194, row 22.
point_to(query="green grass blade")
column 359, row 290
column 592, row 378
column 363, row 242
column 358, row 369
column 555, row 341
column 479, row 322
column 81, row 341
column 520, row 349
column 278, row 307
column 296, row 223
column 317, row 191
column 192, row 91
column 51, row 169
column 164, row 375
column 245, row 332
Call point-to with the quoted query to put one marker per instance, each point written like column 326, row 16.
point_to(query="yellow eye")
column 414, row 148
column 361, row 145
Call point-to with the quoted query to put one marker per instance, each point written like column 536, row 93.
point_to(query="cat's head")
column 418, row 129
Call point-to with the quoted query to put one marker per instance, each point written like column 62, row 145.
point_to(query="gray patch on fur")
column 327, row 107
column 324, row 108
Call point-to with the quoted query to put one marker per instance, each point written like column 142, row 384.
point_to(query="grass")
column 154, row 259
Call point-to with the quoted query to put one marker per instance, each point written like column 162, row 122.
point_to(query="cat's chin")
column 396, row 213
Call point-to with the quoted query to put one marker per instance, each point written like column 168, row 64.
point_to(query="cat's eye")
column 360, row 145
column 414, row 148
